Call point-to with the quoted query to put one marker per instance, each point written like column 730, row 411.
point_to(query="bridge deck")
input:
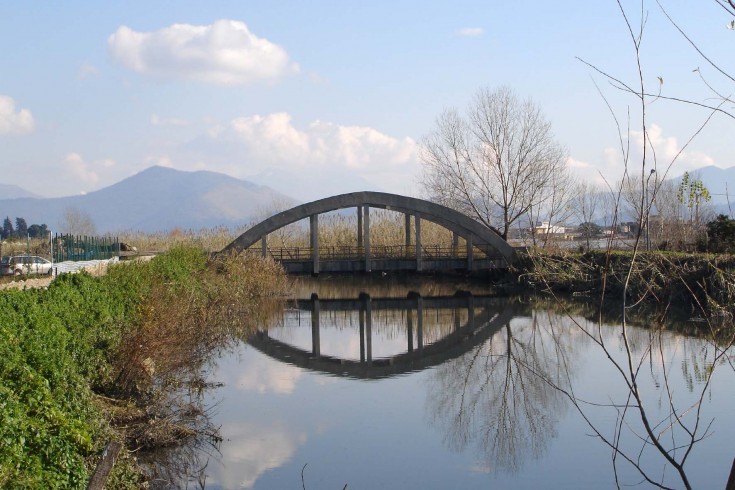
column 300, row 260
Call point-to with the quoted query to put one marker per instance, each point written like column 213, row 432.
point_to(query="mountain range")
column 156, row 199
column 8, row 191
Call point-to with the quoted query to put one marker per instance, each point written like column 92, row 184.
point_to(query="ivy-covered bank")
column 703, row 282
column 71, row 353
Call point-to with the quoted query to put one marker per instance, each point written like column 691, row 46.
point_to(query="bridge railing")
column 428, row 252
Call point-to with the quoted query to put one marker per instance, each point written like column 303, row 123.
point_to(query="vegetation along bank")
column 94, row 359
column 705, row 283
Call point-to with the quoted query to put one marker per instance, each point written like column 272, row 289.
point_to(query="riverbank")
column 88, row 359
column 705, row 283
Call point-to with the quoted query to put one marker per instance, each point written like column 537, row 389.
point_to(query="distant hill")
column 157, row 199
column 8, row 191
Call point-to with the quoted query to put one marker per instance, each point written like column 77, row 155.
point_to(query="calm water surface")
column 441, row 390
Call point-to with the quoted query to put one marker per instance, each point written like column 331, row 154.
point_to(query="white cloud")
column 223, row 53
column 470, row 31
column 168, row 121
column 577, row 164
column 667, row 150
column 86, row 172
column 160, row 160
column 273, row 139
column 250, row 450
column 12, row 121
column 269, row 377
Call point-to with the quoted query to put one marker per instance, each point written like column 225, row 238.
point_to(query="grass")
column 77, row 355
column 335, row 229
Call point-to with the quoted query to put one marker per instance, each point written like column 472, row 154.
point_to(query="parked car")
column 14, row 265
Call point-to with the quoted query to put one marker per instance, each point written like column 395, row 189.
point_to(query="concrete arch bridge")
column 483, row 249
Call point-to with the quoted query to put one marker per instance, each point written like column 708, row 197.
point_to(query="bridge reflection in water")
column 459, row 323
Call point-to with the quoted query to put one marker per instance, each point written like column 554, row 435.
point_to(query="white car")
column 15, row 265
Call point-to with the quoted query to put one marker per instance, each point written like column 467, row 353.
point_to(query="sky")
column 321, row 96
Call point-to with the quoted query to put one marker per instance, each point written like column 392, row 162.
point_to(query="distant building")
column 545, row 228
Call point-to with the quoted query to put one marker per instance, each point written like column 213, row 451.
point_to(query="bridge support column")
column 315, row 342
column 314, row 230
column 420, row 322
column 419, row 259
column 264, row 246
column 368, row 265
column 455, row 245
column 408, row 231
column 359, row 227
column 367, row 307
column 361, row 315
column 470, row 251
column 409, row 328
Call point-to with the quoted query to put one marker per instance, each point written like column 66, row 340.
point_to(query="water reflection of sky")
column 483, row 419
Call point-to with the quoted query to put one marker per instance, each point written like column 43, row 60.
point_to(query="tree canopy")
column 497, row 162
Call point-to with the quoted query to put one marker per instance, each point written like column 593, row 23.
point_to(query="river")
column 416, row 383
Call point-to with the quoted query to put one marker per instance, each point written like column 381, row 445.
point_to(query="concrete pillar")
column 314, row 227
column 455, row 245
column 361, row 315
column 264, row 246
column 469, row 253
column 420, row 322
column 369, row 330
column 368, row 265
column 315, row 342
column 359, row 227
column 408, row 231
column 419, row 258
column 409, row 327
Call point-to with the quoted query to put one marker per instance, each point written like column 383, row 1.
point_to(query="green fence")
column 76, row 248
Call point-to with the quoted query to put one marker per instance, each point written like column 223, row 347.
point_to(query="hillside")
column 157, row 199
column 8, row 191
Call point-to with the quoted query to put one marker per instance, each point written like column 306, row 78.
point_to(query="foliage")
column 589, row 229
column 22, row 230
column 38, row 231
column 693, row 193
column 61, row 345
column 21, row 227
column 721, row 235
column 8, row 230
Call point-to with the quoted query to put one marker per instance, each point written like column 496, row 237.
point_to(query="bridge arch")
column 486, row 316
column 475, row 233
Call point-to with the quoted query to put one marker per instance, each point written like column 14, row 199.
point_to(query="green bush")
column 56, row 347
column 721, row 235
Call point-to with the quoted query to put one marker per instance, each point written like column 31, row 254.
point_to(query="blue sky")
column 337, row 92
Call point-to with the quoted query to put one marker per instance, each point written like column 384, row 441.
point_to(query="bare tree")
column 74, row 221
column 496, row 162
column 586, row 201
